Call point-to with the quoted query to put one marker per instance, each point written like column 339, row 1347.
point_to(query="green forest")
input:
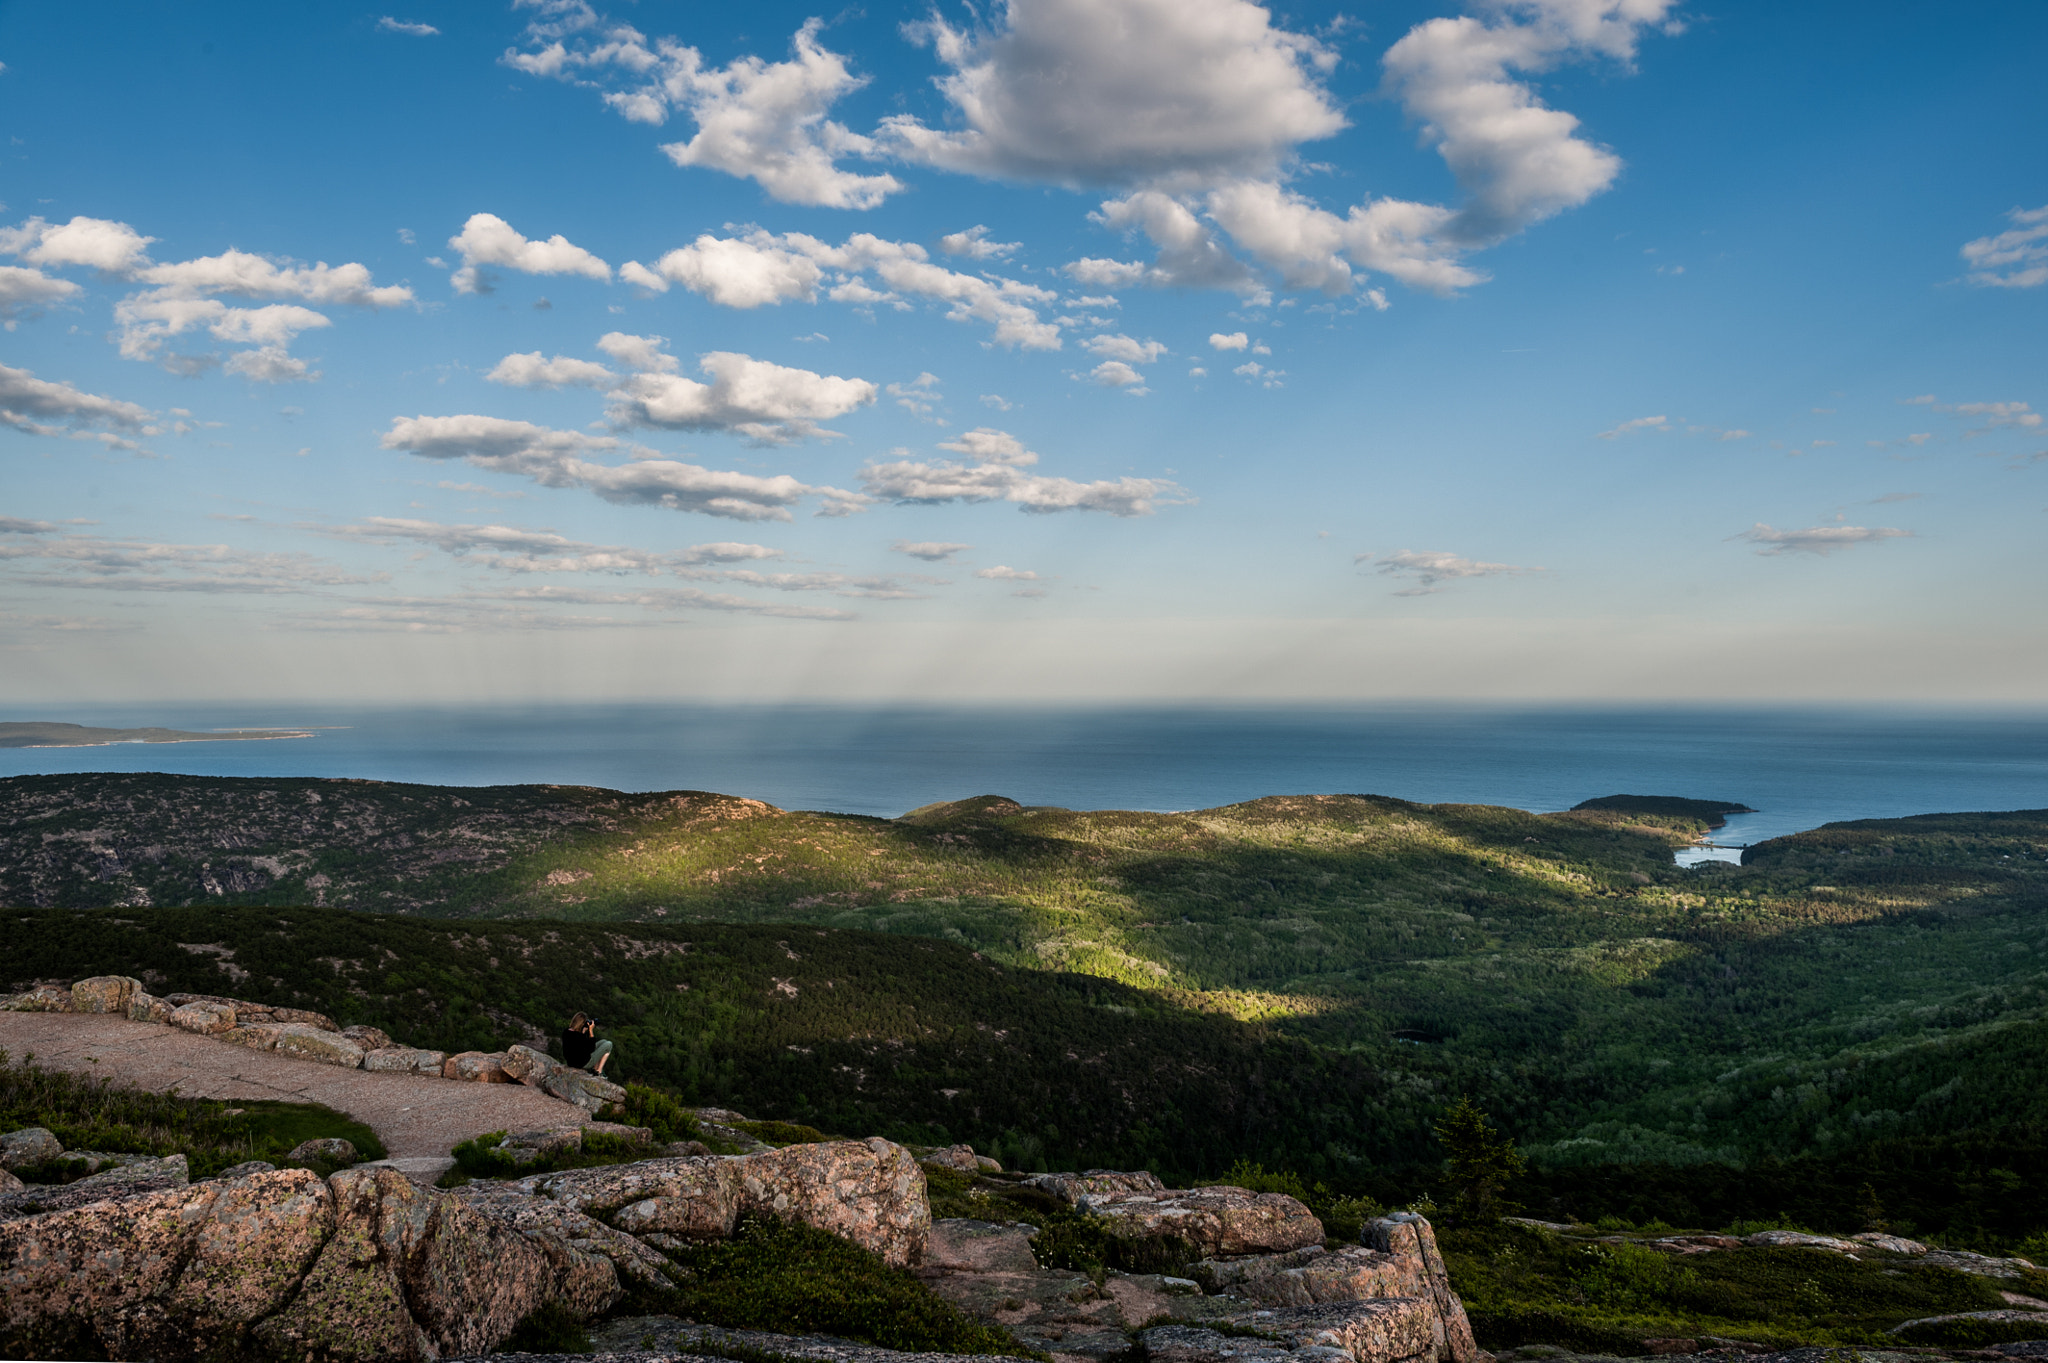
column 1303, row 981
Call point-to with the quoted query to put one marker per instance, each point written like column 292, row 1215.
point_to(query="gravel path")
column 419, row 1118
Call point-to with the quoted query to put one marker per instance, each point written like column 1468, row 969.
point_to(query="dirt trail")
column 418, row 1117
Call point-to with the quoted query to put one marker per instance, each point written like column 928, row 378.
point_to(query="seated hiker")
column 580, row 1044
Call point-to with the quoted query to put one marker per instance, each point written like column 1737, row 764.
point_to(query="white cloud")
column 764, row 121
column 1121, row 347
column 1235, row 340
column 1641, row 423
column 1004, row 573
column 246, row 275
column 1997, row 415
column 1000, row 476
column 2016, row 258
column 390, row 25
column 761, row 268
column 1189, row 256
column 554, row 458
column 642, row 353
column 726, row 551
column 532, row 371
column 488, row 240
column 43, row 407
column 24, row 293
column 733, row 272
column 1817, row 539
column 1123, row 92
column 1429, row 568
column 974, row 243
column 270, row 364
column 1518, row 160
column 136, row 565
column 919, row 397
column 104, row 245
column 1117, row 374
column 771, row 404
column 997, row 401
column 931, row 551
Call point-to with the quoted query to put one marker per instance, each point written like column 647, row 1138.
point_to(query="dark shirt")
column 576, row 1048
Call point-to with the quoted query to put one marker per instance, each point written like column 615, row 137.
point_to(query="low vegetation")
column 85, row 1113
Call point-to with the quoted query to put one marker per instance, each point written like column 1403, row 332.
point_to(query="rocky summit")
column 366, row 1266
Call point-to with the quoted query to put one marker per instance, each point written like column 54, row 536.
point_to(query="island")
column 50, row 734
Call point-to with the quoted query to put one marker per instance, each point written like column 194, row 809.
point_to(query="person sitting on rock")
column 580, row 1045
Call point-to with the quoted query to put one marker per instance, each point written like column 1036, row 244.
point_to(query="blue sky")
column 1068, row 349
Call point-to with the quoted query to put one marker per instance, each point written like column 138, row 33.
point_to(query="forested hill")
column 1369, row 959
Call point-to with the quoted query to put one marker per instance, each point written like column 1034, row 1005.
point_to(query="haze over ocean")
column 1798, row 767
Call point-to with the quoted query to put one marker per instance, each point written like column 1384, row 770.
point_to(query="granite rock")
column 30, row 1145
column 104, row 994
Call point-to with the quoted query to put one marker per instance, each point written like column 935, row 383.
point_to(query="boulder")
column 528, row 1066
column 148, row 1008
column 587, row 1091
column 870, row 1192
column 588, row 1258
column 1219, row 1220
column 1792, row 1238
column 530, row 1147
column 481, row 1067
column 407, row 1274
column 1381, row 1331
column 1312, row 1275
column 638, row 1135
column 1071, row 1188
column 1404, row 1234
column 141, row 1175
column 204, row 1017
column 243, row 1170
column 956, row 1245
column 9, row 1184
column 323, row 1150
column 44, row 998
column 369, row 1038
column 105, row 1280
column 104, row 994
column 959, row 1158
column 307, row 1042
column 1890, row 1244
column 256, row 1038
column 404, row 1060
column 30, row 1145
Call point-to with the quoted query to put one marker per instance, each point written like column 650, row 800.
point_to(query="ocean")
column 1797, row 767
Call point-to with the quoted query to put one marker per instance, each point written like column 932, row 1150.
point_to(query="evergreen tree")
column 1478, row 1163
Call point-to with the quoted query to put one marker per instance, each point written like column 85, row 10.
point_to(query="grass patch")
column 782, row 1133
column 796, row 1279
column 88, row 1113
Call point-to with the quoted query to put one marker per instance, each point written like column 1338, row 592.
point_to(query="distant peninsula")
column 1713, row 813
column 49, row 734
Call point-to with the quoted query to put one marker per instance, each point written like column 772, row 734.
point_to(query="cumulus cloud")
column 732, row 272
column 1121, row 347
column 919, row 397
column 110, row 247
column 931, row 551
column 1236, row 340
column 488, row 240
column 1117, row 374
column 532, row 371
column 999, row 474
column 641, row 353
column 974, row 243
column 1817, row 539
column 1123, row 92
column 412, row 30
column 555, row 458
column 43, row 407
column 184, row 295
column 761, row 268
column 24, row 293
column 759, row 120
column 1996, row 415
column 770, row 404
column 2016, row 258
column 1005, row 573
column 1430, row 568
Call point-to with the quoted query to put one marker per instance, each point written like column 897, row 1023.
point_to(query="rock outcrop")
column 1216, row 1221
column 536, row 1069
